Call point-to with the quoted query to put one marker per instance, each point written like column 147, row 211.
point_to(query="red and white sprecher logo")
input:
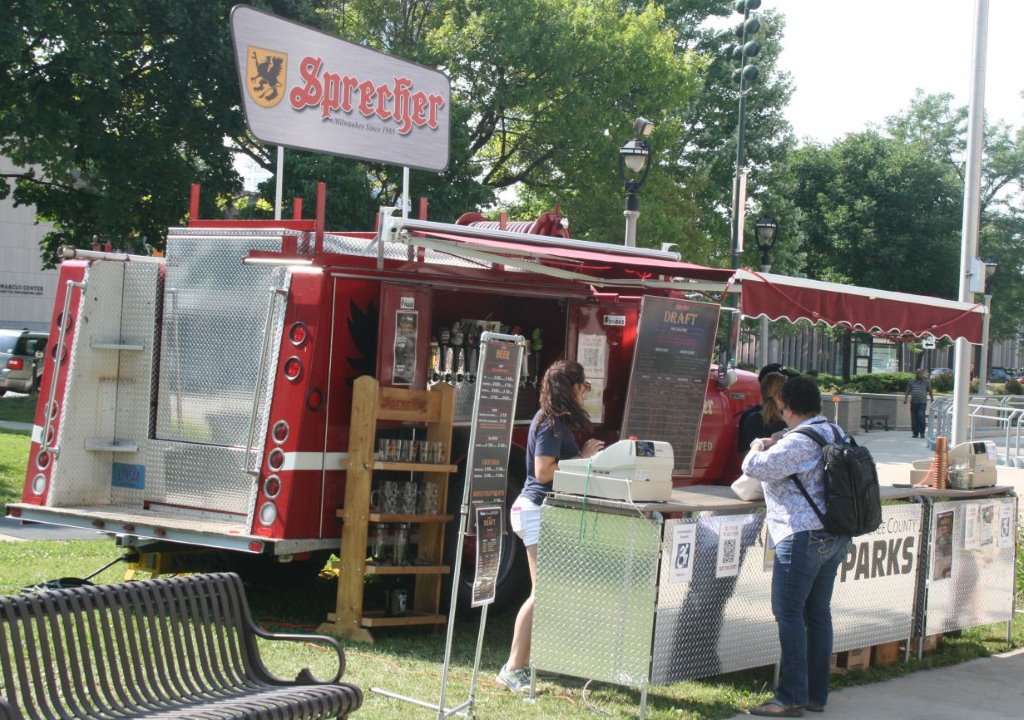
column 265, row 76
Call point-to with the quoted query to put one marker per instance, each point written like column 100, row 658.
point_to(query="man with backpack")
column 806, row 555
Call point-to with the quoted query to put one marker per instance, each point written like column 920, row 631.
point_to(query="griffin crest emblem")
column 265, row 76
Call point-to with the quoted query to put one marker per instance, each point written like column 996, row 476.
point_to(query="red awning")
column 861, row 309
column 590, row 261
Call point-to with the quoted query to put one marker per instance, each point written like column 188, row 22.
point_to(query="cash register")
column 634, row 470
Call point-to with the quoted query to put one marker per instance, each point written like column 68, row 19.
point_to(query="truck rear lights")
column 39, row 484
column 280, row 432
column 272, row 487
column 43, row 460
column 256, row 547
column 298, row 333
column 292, row 368
column 315, row 399
column 275, row 460
column 15, row 363
column 268, row 513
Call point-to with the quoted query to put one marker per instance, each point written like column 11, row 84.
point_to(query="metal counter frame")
column 613, row 606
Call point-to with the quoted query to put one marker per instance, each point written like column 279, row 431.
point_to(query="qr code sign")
column 729, row 552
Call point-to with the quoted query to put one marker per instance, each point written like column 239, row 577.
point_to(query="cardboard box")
column 886, row 654
column 859, row 659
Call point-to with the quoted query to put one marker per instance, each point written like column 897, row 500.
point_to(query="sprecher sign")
column 305, row 89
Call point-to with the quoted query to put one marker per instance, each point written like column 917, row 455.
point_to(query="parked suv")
column 998, row 375
column 21, row 360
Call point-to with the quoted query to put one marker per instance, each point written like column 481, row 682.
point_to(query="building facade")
column 26, row 289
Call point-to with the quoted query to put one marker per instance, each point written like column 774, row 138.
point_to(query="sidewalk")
column 982, row 689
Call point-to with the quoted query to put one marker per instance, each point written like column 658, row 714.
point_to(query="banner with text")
column 304, row 89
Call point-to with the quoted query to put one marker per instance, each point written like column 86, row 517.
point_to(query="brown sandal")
column 773, row 708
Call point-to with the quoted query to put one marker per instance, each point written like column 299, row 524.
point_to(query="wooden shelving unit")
column 371, row 404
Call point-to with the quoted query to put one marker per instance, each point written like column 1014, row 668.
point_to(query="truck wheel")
column 513, row 583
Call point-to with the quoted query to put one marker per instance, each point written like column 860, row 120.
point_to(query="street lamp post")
column 767, row 231
column 743, row 75
column 634, row 157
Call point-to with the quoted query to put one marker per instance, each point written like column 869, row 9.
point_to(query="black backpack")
column 853, row 505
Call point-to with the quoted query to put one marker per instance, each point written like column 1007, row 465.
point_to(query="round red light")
column 292, row 368
column 315, row 399
column 298, row 333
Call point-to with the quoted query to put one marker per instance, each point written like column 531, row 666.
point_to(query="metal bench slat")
column 183, row 647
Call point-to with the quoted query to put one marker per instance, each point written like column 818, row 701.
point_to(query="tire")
column 513, row 583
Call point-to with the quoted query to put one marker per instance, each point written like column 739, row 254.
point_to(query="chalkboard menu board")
column 665, row 398
column 490, row 439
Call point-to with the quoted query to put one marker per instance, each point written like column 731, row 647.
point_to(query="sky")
column 856, row 62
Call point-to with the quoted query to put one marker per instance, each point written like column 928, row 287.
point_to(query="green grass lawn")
column 18, row 408
column 408, row 662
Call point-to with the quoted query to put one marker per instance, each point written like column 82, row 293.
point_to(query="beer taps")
column 472, row 353
column 457, row 356
column 444, row 337
column 435, row 360
column 536, row 345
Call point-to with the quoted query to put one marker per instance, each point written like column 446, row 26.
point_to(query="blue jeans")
column 917, row 418
column 802, row 582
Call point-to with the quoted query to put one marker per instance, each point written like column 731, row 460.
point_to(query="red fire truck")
column 204, row 399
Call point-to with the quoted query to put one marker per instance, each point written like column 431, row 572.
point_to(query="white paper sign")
column 684, row 538
column 1005, row 526
column 971, row 527
column 729, row 549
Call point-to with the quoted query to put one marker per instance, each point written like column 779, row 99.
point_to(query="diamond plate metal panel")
column 214, row 318
column 970, row 574
column 711, row 624
column 194, row 478
column 364, row 247
column 596, row 587
column 703, row 624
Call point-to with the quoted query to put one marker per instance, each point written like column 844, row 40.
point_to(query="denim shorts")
column 525, row 520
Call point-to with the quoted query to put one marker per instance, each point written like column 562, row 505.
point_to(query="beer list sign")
column 493, row 414
column 665, row 399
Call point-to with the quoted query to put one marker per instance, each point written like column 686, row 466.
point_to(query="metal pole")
column 762, row 349
column 737, row 201
column 983, row 368
column 279, row 182
column 631, row 216
column 972, row 212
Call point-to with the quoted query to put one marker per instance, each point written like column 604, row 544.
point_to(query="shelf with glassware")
column 396, row 488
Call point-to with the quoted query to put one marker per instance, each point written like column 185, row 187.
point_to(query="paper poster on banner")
column 1005, row 525
column 942, row 546
column 971, row 527
column 593, row 399
column 683, row 538
column 729, row 549
column 988, row 520
column 592, row 354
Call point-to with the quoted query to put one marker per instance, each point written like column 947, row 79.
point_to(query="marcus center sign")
column 304, row 89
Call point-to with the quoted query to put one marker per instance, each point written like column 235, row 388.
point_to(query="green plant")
column 942, row 383
column 1013, row 387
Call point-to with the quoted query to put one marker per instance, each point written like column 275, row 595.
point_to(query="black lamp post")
column 744, row 75
column 767, row 231
column 634, row 166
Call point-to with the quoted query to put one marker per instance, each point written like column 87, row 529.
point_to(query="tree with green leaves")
column 114, row 108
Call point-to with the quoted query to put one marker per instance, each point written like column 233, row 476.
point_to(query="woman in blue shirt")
column 552, row 438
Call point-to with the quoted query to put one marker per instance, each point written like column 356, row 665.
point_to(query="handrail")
column 261, row 379
column 61, row 347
